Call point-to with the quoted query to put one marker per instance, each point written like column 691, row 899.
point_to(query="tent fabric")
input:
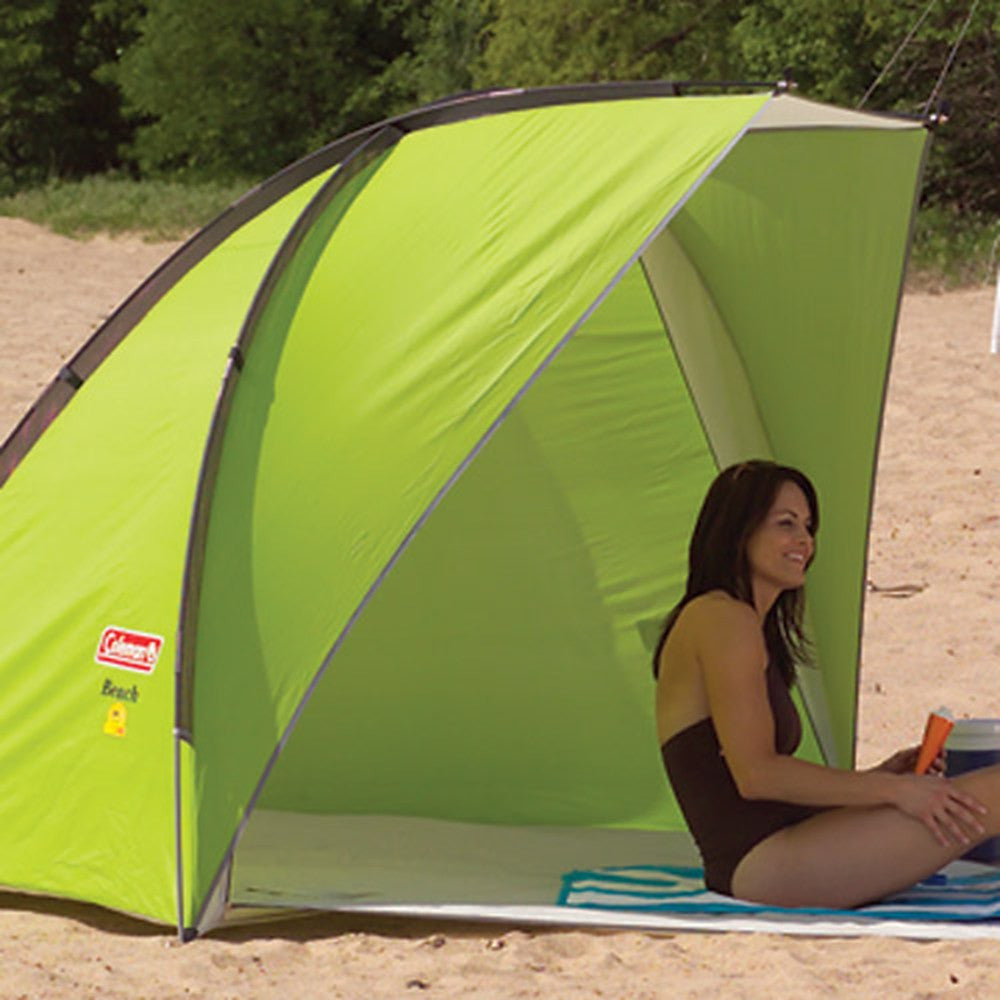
column 409, row 561
column 412, row 406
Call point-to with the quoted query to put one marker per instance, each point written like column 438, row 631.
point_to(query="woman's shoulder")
column 717, row 602
column 714, row 629
column 715, row 610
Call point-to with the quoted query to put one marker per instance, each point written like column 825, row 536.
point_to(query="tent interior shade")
column 515, row 689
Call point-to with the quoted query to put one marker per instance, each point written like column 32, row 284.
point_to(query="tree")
column 243, row 87
column 828, row 44
column 59, row 114
column 446, row 39
column 536, row 42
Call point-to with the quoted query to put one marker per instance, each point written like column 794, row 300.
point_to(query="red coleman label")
column 121, row 647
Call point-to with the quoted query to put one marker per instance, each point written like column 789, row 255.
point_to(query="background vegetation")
column 198, row 100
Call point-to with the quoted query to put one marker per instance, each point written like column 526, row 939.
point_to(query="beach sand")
column 936, row 535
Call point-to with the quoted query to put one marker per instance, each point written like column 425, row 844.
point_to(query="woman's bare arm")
column 733, row 659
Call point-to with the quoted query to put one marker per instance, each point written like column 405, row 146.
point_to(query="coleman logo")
column 121, row 647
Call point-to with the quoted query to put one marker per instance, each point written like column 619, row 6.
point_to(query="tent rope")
column 902, row 45
column 951, row 58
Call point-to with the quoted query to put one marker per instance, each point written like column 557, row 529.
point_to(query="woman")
column 772, row 828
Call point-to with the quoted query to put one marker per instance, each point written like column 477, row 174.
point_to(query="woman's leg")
column 847, row 857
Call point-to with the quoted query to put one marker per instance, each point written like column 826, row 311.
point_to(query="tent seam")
column 197, row 534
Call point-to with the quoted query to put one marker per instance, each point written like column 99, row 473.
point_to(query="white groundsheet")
column 464, row 871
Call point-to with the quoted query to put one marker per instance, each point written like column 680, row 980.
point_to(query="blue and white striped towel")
column 682, row 890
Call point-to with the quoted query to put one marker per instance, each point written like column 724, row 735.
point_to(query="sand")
column 936, row 535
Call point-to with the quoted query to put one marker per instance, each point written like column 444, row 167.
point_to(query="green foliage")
column 951, row 248
column 964, row 167
column 828, row 44
column 110, row 203
column 245, row 86
column 536, row 42
column 445, row 42
column 58, row 113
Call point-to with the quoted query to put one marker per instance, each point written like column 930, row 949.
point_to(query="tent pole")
column 361, row 157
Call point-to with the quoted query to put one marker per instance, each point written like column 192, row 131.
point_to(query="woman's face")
column 780, row 550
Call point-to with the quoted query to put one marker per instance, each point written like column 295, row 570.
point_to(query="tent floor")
column 409, row 866
column 300, row 859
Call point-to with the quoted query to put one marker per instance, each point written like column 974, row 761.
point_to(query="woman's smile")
column 780, row 550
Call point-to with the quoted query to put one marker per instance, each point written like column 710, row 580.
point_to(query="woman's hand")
column 905, row 760
column 951, row 815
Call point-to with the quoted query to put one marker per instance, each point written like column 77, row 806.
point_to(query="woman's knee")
column 984, row 786
column 841, row 858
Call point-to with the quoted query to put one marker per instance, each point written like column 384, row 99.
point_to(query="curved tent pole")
column 225, row 863
column 102, row 342
column 363, row 156
column 126, row 316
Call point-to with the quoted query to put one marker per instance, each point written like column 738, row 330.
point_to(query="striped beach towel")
column 647, row 888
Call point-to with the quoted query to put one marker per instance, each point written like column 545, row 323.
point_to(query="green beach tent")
column 332, row 562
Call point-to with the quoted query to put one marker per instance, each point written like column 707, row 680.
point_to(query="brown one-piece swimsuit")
column 725, row 825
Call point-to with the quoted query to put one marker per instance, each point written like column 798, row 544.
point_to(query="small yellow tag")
column 114, row 724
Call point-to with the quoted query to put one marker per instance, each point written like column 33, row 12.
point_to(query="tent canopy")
column 407, row 566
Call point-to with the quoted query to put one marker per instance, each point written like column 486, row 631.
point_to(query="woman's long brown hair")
column 736, row 504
